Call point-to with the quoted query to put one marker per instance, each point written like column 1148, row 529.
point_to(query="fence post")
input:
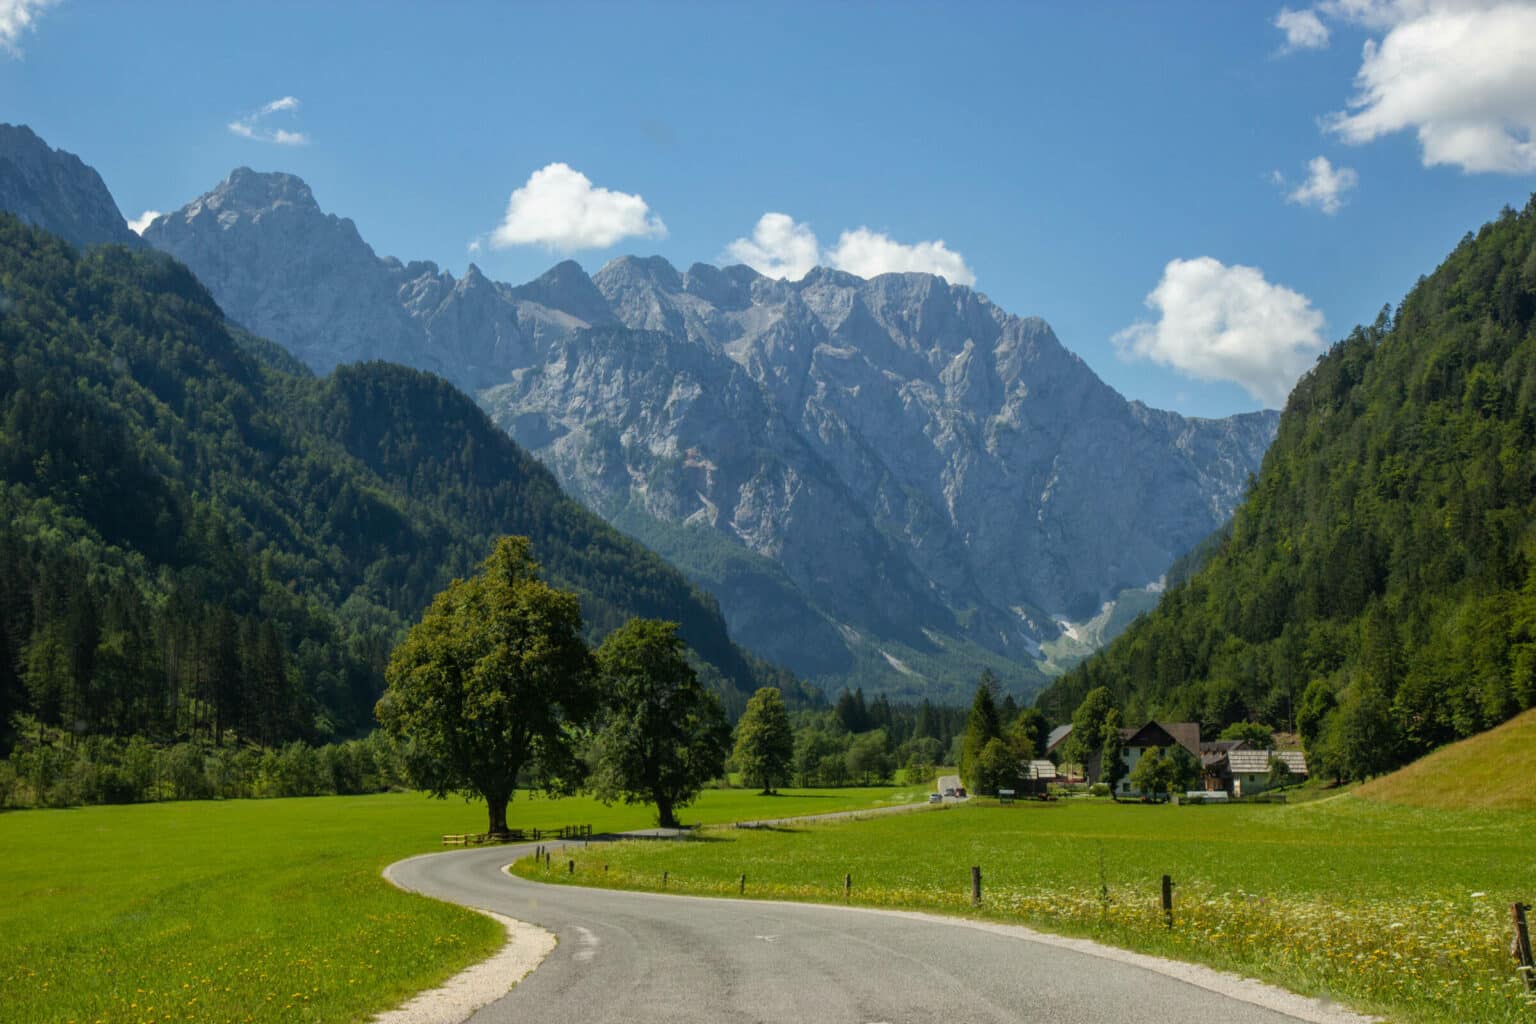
column 570, row 867
column 975, row 886
column 663, row 879
column 847, row 887
column 1167, row 901
column 1522, row 948
column 742, row 889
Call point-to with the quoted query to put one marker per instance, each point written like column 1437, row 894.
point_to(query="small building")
column 1035, row 777
column 1213, row 762
column 1246, row 772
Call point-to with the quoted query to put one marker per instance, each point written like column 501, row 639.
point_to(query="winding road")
column 639, row 957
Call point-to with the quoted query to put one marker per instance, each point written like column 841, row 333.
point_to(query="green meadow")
column 1391, row 909
column 264, row 910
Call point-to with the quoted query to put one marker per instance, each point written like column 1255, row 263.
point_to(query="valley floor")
column 265, row 910
column 1389, row 909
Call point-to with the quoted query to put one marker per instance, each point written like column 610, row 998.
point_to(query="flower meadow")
column 1396, row 911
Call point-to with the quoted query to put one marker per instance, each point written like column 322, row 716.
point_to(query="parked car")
column 950, row 791
column 935, row 798
column 960, row 793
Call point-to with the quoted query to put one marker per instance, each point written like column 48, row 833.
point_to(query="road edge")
column 479, row 984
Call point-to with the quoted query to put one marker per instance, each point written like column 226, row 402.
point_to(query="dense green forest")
column 1377, row 588
column 200, row 541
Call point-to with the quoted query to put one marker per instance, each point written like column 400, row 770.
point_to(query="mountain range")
column 890, row 482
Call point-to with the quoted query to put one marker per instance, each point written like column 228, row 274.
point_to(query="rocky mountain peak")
column 567, row 288
column 248, row 191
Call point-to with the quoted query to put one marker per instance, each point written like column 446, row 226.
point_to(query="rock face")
column 890, row 481
column 57, row 192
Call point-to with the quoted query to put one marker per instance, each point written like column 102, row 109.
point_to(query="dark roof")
column 1222, row 746
column 1165, row 734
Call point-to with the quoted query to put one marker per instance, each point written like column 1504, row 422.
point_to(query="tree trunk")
column 496, row 805
column 666, row 816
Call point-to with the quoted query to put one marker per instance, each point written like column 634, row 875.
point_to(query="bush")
column 1099, row 789
column 183, row 767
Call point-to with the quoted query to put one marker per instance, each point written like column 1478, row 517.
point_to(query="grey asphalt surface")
column 638, row 957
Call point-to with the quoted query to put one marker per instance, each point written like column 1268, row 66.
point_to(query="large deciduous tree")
column 1087, row 737
column 492, row 680
column 765, row 743
column 663, row 734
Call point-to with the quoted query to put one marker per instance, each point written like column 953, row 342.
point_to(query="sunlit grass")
column 1492, row 770
column 1390, row 909
column 263, row 910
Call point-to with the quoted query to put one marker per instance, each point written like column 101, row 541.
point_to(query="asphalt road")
column 637, row 957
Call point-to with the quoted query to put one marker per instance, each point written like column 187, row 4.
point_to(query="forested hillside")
column 196, row 539
column 1377, row 587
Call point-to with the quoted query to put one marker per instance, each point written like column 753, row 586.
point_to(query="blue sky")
column 1073, row 163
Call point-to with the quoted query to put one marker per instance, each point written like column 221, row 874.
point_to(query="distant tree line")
column 49, row 767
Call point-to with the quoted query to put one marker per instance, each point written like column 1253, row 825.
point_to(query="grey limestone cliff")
column 890, row 480
column 57, row 192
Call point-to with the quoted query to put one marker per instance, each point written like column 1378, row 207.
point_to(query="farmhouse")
column 1135, row 743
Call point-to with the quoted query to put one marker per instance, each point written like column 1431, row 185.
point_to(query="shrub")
column 1099, row 789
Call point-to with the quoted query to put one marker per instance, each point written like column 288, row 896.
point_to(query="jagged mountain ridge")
column 57, row 191
column 889, row 479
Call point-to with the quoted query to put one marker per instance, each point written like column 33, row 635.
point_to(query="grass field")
column 1493, row 770
column 1391, row 909
column 263, row 910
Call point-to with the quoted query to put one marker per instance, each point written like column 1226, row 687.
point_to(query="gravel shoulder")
column 460, row 996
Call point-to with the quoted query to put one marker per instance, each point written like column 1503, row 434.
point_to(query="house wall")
column 1249, row 783
column 1129, row 756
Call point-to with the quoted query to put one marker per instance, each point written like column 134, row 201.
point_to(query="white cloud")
column 782, row 247
column 16, row 18
column 779, row 247
column 869, row 253
column 1461, row 74
column 1325, row 186
column 561, row 209
column 253, row 126
column 1304, row 30
column 1217, row 322
column 142, row 221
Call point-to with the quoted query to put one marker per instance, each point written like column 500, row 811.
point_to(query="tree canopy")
column 982, row 726
column 663, row 735
column 765, row 742
column 492, row 680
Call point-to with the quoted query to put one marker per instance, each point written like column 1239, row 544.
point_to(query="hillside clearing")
column 1490, row 771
